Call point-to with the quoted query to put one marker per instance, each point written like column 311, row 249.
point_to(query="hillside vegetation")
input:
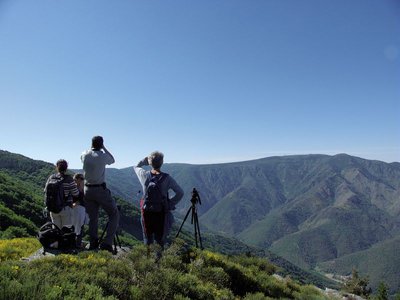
column 373, row 262
column 308, row 209
column 15, row 249
column 21, row 212
column 181, row 273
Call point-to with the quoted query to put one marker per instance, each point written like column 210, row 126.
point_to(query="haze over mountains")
column 318, row 211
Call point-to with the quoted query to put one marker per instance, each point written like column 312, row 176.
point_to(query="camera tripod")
column 194, row 218
column 116, row 237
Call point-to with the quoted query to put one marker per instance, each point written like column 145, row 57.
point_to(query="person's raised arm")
column 140, row 172
column 111, row 157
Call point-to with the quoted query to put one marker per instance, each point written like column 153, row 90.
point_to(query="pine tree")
column 357, row 285
column 382, row 292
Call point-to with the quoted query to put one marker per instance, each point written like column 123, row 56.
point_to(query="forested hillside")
column 21, row 213
column 308, row 209
column 21, row 199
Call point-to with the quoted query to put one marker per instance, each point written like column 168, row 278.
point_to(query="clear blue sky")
column 203, row 81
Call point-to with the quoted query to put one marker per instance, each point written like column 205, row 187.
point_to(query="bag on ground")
column 68, row 238
column 51, row 236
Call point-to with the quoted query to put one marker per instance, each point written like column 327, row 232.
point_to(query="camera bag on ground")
column 52, row 237
column 54, row 193
column 154, row 200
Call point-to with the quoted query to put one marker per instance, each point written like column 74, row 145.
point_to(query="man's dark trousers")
column 96, row 197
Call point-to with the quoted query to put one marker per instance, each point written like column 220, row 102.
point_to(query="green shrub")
column 161, row 284
column 308, row 292
column 256, row 296
column 180, row 274
column 216, row 275
column 139, row 262
column 97, row 276
column 173, row 257
column 17, row 248
column 382, row 292
column 190, row 286
column 275, row 288
column 14, row 232
column 180, row 297
column 241, row 282
column 357, row 285
column 257, row 263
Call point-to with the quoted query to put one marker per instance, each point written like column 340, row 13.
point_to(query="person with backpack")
column 59, row 191
column 156, row 205
column 98, row 195
column 79, row 215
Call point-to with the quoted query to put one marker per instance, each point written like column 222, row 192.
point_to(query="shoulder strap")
column 161, row 178
column 49, row 225
column 148, row 177
column 57, row 176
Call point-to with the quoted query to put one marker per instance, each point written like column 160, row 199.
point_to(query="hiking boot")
column 94, row 245
column 107, row 247
column 79, row 241
column 158, row 256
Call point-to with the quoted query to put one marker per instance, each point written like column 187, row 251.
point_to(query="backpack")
column 51, row 236
column 54, row 194
column 154, row 200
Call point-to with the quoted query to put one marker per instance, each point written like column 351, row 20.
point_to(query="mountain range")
column 314, row 210
column 21, row 214
column 320, row 212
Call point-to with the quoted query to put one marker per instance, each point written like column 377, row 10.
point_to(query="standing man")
column 156, row 206
column 97, row 194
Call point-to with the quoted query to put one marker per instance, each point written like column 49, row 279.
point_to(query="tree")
column 357, row 285
column 13, row 232
column 382, row 292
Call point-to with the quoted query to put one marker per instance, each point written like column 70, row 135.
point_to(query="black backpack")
column 51, row 236
column 54, row 194
column 154, row 200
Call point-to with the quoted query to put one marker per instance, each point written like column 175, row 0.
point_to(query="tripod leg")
column 195, row 227
column 104, row 231
column 117, row 240
column 115, row 246
column 198, row 229
column 187, row 214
